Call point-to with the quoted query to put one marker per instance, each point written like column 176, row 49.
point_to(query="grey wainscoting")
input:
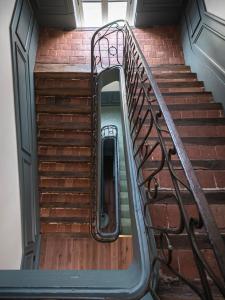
column 203, row 38
column 57, row 13
column 24, row 39
column 158, row 12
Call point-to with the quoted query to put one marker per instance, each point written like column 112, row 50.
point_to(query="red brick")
column 219, row 214
column 159, row 44
column 220, row 152
column 165, row 273
column 173, row 214
column 158, row 215
column 206, row 178
column 187, row 265
column 220, row 178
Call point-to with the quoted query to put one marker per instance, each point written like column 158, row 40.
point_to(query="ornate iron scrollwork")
column 154, row 135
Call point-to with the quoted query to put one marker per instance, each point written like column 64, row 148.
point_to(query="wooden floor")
column 61, row 253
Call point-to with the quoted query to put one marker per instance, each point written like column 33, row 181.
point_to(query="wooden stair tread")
column 63, row 92
column 43, row 70
column 66, row 220
column 193, row 106
column 63, row 205
column 180, row 84
column 70, row 174
column 189, row 93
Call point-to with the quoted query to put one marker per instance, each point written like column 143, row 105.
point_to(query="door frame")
column 79, row 15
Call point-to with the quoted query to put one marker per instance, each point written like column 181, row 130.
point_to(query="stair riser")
column 73, row 134
column 70, row 198
column 66, row 100
column 188, row 99
column 45, row 119
column 64, row 138
column 195, row 152
column 64, row 151
column 191, row 131
column 173, row 77
column 183, row 263
column 170, row 214
column 212, row 179
column 170, row 69
column 49, row 84
column 61, row 167
column 62, row 212
column 64, row 182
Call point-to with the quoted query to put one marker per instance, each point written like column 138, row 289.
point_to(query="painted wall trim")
column 57, row 13
column 203, row 39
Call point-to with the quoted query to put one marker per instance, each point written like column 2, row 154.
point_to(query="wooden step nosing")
column 62, row 142
column 61, row 158
column 75, row 192
column 181, row 84
column 187, row 94
column 65, row 220
column 62, row 92
column 65, row 174
column 174, row 75
column 64, row 189
column 45, row 204
column 57, row 109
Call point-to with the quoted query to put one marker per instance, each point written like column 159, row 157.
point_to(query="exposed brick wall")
column 161, row 45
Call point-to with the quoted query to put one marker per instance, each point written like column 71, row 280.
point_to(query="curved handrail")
column 142, row 89
column 100, row 234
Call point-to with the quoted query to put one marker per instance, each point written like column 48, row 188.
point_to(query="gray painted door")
column 22, row 30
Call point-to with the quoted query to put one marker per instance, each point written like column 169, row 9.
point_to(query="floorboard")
column 68, row 253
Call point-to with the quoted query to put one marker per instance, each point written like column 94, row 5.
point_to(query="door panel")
column 22, row 32
column 24, row 24
column 24, row 100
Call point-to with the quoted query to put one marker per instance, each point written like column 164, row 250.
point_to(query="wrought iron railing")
column 154, row 134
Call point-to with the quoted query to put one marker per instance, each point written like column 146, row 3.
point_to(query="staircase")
column 64, row 148
column 63, row 105
column 201, row 125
